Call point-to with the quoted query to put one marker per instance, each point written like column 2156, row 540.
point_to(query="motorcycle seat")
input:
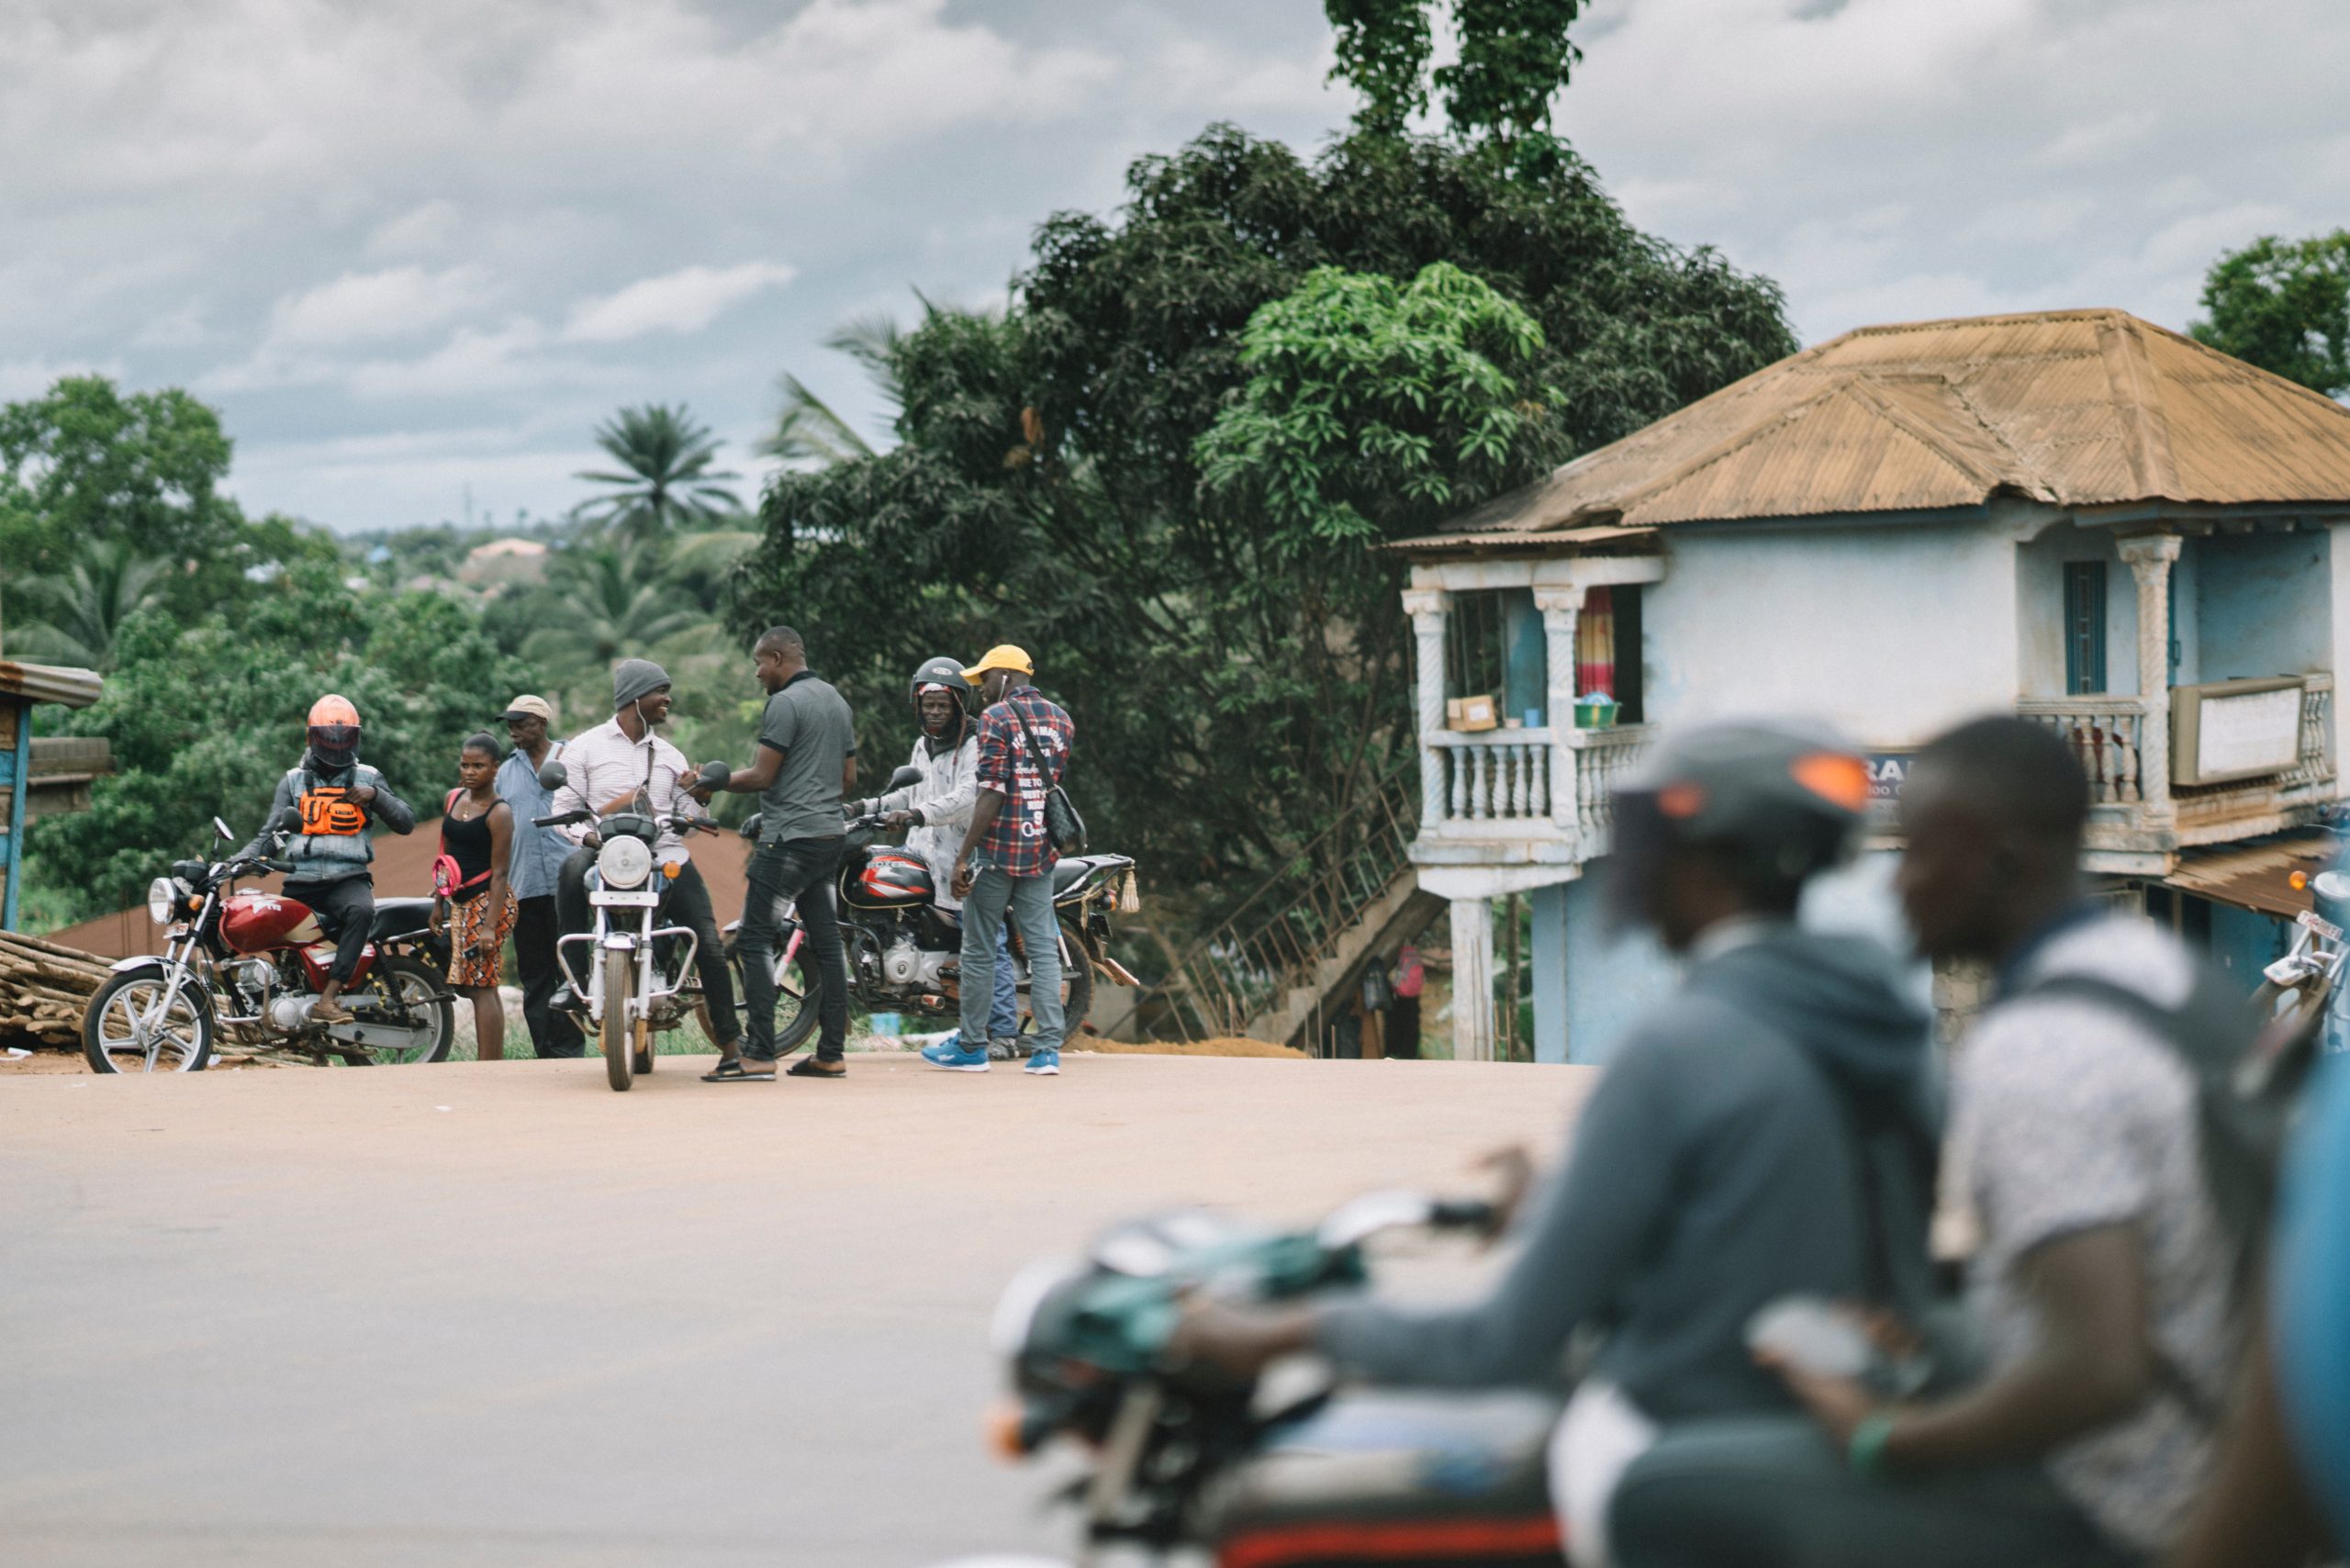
column 1072, row 868
column 1400, row 1477
column 399, row 917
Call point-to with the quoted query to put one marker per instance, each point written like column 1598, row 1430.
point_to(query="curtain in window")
column 1595, row 644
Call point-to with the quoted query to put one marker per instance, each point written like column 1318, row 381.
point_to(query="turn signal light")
column 671, row 870
column 1004, row 1431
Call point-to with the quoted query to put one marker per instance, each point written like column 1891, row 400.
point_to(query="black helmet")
column 947, row 676
column 1781, row 801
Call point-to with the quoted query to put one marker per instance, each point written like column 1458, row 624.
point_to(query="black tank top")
column 468, row 842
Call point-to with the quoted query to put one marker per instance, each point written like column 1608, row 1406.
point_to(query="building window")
column 2084, row 627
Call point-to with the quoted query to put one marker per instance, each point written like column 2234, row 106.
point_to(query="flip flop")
column 806, row 1068
column 737, row 1070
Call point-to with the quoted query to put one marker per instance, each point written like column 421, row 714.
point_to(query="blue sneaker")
column 1044, row 1063
column 950, row 1055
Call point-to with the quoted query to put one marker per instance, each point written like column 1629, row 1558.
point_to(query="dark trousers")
column 687, row 905
column 553, row 1033
column 346, row 911
column 800, row 869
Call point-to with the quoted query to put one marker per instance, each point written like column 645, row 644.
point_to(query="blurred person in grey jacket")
column 1768, row 1130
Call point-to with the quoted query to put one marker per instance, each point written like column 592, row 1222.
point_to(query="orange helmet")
column 334, row 730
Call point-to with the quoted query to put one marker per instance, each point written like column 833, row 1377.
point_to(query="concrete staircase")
column 1399, row 913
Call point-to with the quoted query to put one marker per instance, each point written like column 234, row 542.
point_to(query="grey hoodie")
column 1717, row 1166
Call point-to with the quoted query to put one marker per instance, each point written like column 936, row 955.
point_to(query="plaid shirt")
column 1015, row 841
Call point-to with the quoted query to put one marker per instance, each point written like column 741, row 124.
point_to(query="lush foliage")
column 1514, row 58
column 664, row 480
column 1236, row 676
column 1373, row 409
column 2284, row 304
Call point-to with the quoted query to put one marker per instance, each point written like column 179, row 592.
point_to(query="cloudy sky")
column 417, row 248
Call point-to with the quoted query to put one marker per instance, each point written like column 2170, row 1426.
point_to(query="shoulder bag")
column 1063, row 826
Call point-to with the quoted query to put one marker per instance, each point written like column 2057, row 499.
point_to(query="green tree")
column 1373, row 409
column 1515, row 58
column 2284, row 304
column 203, row 718
column 1047, row 487
column 809, row 430
column 615, row 603
column 664, row 481
column 78, row 614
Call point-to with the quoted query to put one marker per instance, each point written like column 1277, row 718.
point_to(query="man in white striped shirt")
column 608, row 766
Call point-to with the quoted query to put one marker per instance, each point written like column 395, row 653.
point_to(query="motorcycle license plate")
column 2319, row 925
column 643, row 898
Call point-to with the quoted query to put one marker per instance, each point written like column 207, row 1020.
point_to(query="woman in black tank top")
column 476, row 832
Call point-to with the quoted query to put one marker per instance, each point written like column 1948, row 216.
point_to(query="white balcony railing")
column 1494, row 775
column 2106, row 734
column 1601, row 757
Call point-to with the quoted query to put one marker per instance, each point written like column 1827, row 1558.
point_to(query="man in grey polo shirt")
column 806, row 762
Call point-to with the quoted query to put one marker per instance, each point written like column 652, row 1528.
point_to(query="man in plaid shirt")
column 1007, row 860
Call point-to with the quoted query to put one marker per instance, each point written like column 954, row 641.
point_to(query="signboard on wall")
column 2228, row 729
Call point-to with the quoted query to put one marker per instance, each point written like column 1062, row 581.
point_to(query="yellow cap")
column 1003, row 656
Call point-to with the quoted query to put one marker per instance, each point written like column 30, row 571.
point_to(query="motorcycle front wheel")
column 404, row 993
column 613, row 1039
column 178, row 1041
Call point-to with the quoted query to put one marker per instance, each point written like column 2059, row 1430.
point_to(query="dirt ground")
column 493, row 1313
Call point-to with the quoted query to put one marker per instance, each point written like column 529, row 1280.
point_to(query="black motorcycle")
column 904, row 952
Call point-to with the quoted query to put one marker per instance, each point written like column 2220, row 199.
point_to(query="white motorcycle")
column 637, row 982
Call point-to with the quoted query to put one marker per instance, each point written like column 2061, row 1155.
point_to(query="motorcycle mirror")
column 715, row 773
column 750, row 828
column 221, row 831
column 1364, row 1217
column 903, row 776
column 552, row 774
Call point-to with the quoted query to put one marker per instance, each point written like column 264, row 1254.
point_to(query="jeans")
column 346, row 911
column 687, row 905
column 1030, row 901
column 1003, row 1016
column 1772, row 1492
column 800, row 869
column 553, row 1033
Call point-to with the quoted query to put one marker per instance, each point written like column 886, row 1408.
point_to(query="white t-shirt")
column 2070, row 1116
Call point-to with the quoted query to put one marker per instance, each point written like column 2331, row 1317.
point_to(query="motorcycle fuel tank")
column 888, row 878
column 254, row 922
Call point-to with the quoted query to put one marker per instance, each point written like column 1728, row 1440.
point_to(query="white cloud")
column 397, row 302
column 421, row 230
column 26, row 378
column 686, row 301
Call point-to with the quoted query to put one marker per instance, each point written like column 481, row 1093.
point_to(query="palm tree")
column 809, row 430
column 79, row 613
column 666, row 480
column 616, row 601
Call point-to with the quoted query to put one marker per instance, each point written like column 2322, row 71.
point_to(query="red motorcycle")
column 250, row 965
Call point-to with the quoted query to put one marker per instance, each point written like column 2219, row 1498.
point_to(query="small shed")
column 38, row 776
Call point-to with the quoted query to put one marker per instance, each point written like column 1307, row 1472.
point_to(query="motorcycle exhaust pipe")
column 290, row 1013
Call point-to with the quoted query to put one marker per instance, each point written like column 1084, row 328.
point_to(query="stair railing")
column 1278, row 937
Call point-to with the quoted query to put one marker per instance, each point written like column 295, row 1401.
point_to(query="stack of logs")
column 44, row 988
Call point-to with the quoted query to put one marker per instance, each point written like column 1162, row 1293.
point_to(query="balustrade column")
column 1561, row 607
column 1427, row 608
column 2150, row 557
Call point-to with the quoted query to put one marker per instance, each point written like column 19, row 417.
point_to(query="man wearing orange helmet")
column 327, row 805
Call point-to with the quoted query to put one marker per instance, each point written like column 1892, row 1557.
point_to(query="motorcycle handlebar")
column 561, row 818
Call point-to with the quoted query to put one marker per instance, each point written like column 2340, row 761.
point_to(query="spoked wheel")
column 404, row 996
column 797, row 991
column 619, row 977
column 127, row 1027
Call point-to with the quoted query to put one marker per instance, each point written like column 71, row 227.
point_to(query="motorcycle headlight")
column 624, row 862
column 163, row 901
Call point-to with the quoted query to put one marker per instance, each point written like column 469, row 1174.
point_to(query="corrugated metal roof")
column 2256, row 875
column 2076, row 408
column 49, row 683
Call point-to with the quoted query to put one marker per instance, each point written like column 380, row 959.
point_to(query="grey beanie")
column 633, row 678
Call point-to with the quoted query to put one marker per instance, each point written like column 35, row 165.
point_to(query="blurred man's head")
column 1993, row 814
column 1728, row 820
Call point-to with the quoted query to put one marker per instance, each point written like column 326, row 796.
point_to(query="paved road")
column 494, row 1313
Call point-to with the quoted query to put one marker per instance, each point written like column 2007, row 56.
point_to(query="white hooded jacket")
column 941, row 802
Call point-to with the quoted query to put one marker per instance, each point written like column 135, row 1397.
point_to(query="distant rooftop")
column 2075, row 407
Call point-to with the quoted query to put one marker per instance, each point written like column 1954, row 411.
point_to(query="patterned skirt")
column 470, row 925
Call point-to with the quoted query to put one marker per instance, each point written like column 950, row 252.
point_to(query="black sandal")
column 735, row 1070
column 806, row 1068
